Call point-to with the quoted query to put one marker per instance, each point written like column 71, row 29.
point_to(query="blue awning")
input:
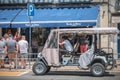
column 7, row 16
column 57, row 17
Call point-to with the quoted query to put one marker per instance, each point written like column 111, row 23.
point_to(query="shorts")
column 2, row 56
column 23, row 55
column 12, row 55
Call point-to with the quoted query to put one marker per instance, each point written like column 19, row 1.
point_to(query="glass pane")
column 53, row 41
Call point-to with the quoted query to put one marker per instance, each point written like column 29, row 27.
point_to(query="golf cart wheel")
column 97, row 69
column 39, row 68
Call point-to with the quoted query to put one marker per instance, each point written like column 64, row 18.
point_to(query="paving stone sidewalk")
column 75, row 68
column 64, row 68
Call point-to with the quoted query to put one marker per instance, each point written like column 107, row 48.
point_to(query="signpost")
column 30, row 8
column 30, row 13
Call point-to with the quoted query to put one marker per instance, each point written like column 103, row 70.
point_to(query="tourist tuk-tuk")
column 96, row 59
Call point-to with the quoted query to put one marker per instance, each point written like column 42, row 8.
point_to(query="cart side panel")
column 51, row 56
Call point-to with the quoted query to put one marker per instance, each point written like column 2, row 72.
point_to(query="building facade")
column 114, row 21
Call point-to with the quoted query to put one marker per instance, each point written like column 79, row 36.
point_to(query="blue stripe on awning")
column 58, row 17
column 6, row 16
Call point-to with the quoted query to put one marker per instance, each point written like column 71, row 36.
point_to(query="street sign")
column 30, row 9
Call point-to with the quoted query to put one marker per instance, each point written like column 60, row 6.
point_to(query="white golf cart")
column 97, row 60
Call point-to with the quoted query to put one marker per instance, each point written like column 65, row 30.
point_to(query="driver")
column 67, row 45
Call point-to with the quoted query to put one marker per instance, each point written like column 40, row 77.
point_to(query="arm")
column 62, row 43
column 27, row 44
column 17, row 47
column 5, row 49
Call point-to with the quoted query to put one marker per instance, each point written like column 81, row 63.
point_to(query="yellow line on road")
column 10, row 73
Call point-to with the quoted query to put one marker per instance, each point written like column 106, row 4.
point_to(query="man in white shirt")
column 67, row 45
column 23, row 49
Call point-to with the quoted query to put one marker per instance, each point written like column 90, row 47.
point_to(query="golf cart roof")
column 89, row 30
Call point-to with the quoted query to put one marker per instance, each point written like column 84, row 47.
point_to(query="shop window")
column 40, row 34
column 117, row 5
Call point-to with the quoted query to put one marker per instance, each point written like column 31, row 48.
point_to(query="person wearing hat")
column 2, row 52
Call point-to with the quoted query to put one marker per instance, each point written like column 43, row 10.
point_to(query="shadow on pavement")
column 73, row 73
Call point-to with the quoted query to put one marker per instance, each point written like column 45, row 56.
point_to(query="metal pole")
column 16, row 61
column 30, row 34
column 30, row 50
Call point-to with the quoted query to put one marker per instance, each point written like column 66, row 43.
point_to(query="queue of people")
column 13, row 47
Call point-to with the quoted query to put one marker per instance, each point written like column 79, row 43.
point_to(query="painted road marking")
column 12, row 73
column 23, row 73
